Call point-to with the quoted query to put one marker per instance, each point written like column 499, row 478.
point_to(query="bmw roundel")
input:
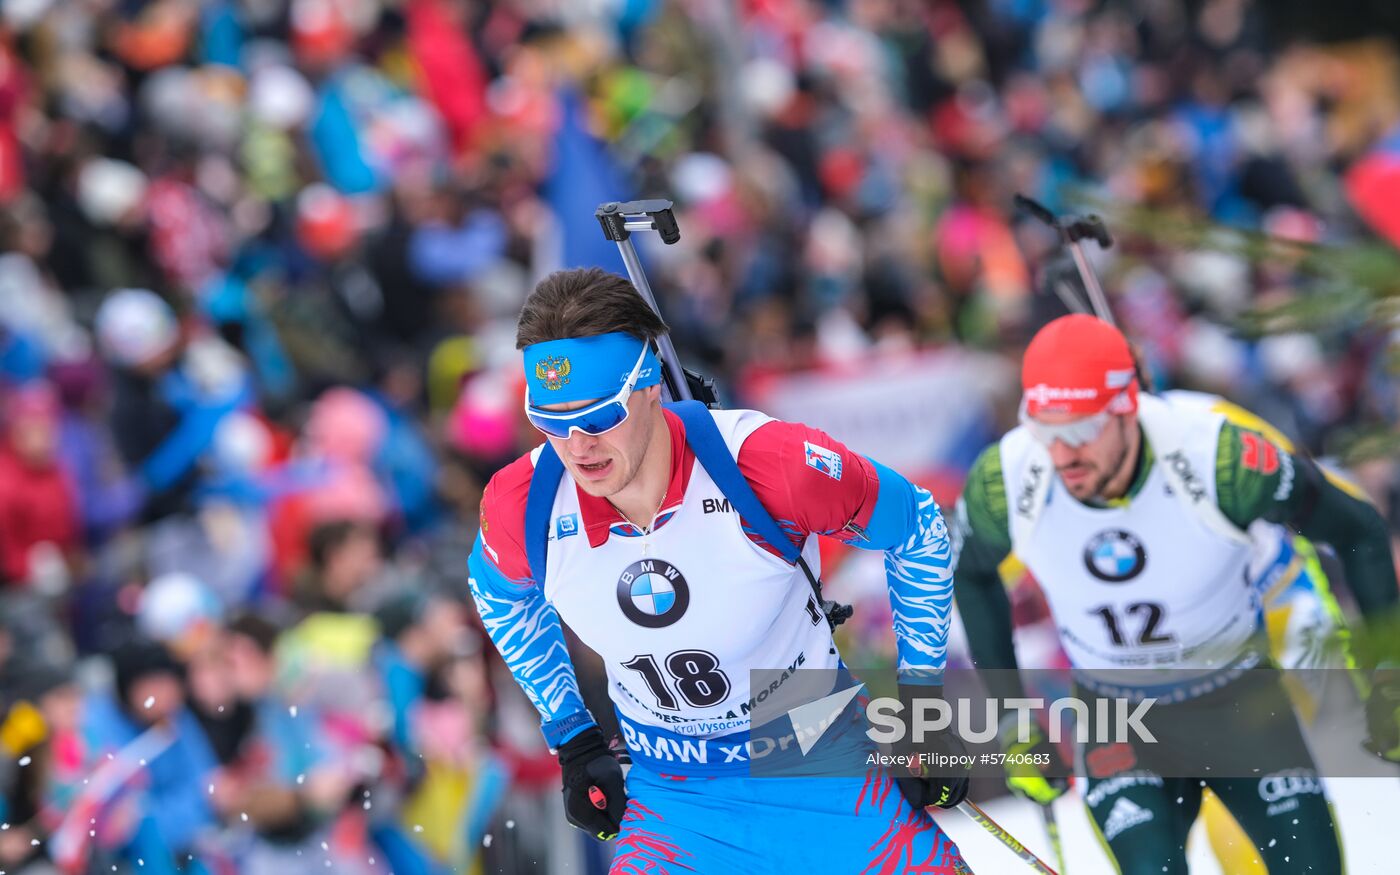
column 1115, row 556
column 652, row 593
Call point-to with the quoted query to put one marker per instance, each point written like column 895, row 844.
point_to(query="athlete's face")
column 603, row 465
column 1088, row 469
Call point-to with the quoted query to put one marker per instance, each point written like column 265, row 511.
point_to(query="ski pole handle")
column 1073, row 231
column 1071, row 228
column 999, row 832
column 620, row 218
column 1090, row 227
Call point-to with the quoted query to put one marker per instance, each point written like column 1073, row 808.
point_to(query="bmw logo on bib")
column 652, row 593
column 1115, row 556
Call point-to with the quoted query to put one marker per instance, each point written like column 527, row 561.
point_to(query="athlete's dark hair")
column 585, row 302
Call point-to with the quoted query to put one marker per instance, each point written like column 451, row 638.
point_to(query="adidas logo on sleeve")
column 1124, row 815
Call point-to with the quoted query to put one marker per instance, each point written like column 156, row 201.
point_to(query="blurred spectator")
column 164, row 815
column 343, row 435
column 345, row 559
column 324, row 662
column 434, row 677
column 169, row 395
column 275, row 775
column 422, row 634
column 40, row 528
column 39, row 748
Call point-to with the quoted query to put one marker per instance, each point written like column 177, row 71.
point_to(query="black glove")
column 924, row 782
column 595, row 796
column 1383, row 714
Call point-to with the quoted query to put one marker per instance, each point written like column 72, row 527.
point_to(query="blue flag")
column 335, row 139
column 584, row 175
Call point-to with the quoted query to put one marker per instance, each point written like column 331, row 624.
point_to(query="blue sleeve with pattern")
column 908, row 525
column 525, row 629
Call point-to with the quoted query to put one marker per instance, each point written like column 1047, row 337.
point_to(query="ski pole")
column 1068, row 297
column 1052, row 828
column 999, row 832
column 619, row 220
column 1073, row 230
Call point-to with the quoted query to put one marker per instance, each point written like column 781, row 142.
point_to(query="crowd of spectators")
column 260, row 262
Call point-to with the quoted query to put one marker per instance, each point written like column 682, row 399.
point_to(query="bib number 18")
column 695, row 673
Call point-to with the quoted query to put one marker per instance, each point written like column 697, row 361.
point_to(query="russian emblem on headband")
column 553, row 371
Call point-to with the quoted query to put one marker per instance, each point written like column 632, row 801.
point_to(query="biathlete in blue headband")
column 640, row 552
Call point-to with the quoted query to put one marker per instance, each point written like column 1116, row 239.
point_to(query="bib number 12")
column 1149, row 614
column 695, row 674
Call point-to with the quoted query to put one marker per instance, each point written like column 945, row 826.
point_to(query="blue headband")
column 586, row 368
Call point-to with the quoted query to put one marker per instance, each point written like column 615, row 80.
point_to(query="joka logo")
column 652, row 593
column 1115, row 556
column 1182, row 466
column 1025, row 500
